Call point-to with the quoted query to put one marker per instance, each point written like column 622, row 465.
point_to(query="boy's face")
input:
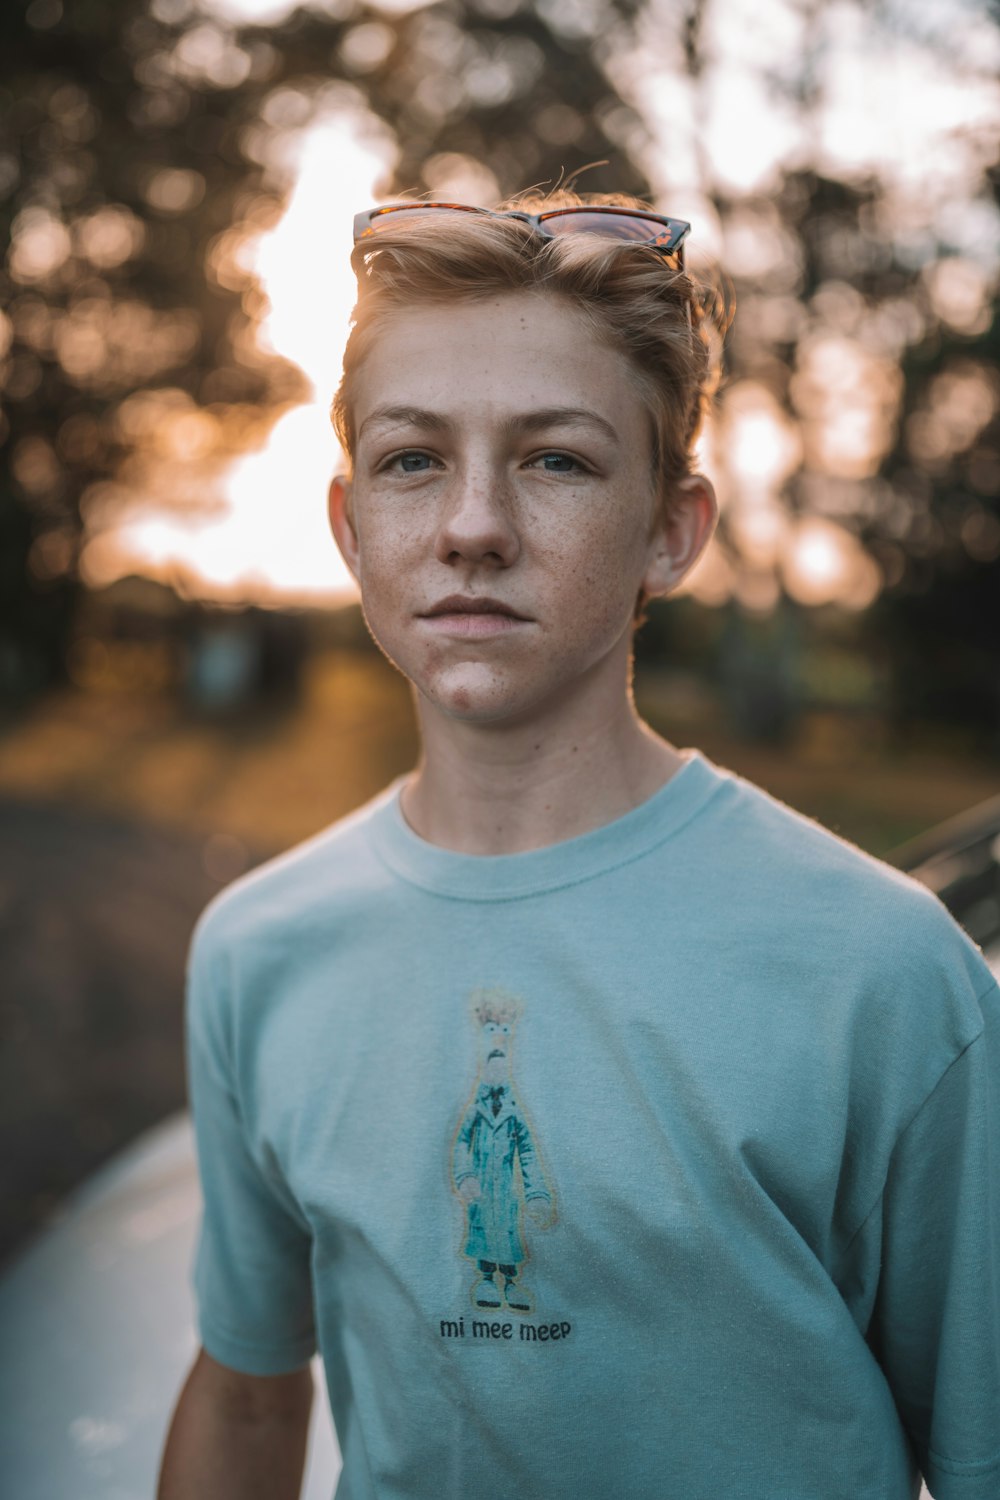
column 502, row 517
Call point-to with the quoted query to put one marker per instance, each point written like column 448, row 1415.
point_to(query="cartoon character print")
column 496, row 1169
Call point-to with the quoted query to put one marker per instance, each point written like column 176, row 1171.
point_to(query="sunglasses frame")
column 673, row 246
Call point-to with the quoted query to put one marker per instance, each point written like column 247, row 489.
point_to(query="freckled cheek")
column 602, row 582
column 386, row 568
column 384, row 527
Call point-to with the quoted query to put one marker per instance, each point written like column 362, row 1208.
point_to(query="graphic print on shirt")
column 496, row 1167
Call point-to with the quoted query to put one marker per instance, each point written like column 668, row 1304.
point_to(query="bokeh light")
column 270, row 539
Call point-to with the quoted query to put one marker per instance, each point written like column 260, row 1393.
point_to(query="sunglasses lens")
column 665, row 236
column 613, row 226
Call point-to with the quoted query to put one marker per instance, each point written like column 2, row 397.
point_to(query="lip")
column 472, row 615
column 471, row 604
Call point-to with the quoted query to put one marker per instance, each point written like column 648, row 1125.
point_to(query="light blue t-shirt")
column 659, row 1164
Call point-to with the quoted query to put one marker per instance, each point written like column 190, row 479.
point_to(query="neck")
column 489, row 789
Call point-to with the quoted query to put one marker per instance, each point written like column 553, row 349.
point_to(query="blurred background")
column 186, row 686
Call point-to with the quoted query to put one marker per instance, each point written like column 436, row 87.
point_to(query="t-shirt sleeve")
column 936, row 1321
column 251, row 1277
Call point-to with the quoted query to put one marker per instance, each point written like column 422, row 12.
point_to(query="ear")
column 342, row 522
column 681, row 534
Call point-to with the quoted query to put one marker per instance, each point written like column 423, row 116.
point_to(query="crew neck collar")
column 500, row 877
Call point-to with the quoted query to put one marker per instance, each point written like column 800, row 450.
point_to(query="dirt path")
column 95, row 915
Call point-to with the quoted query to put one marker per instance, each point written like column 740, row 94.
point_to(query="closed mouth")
column 467, row 604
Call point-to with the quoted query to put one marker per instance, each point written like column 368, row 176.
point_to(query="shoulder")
column 819, row 899
column 280, row 902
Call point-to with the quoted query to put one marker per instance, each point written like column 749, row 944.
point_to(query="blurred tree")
column 937, row 533
column 140, row 140
column 119, row 162
column 861, row 429
column 891, row 377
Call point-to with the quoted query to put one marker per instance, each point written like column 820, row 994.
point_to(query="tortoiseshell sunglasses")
column 664, row 235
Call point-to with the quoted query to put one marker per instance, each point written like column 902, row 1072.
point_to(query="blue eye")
column 412, row 463
column 558, row 463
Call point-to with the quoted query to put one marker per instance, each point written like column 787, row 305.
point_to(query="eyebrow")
column 560, row 416
column 410, row 416
column 531, row 421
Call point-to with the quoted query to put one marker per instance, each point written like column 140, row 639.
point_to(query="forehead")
column 512, row 352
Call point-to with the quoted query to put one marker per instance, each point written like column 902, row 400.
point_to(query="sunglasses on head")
column 635, row 225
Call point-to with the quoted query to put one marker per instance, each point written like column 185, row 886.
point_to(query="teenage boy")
column 722, row 1221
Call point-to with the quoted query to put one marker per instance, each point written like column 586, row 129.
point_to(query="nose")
column 477, row 522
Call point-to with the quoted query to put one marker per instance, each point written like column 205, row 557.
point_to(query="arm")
column 463, row 1164
column 538, row 1199
column 237, row 1437
column 935, row 1327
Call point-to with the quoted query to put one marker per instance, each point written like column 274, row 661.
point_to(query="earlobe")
column 682, row 536
column 342, row 521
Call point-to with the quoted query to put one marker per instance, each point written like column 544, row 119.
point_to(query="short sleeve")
column 936, row 1320
column 251, row 1278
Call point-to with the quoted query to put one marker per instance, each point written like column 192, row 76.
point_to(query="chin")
column 465, row 708
column 480, row 696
